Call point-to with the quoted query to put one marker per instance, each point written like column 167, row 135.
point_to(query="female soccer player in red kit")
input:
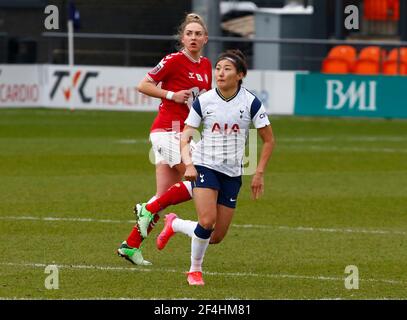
column 183, row 75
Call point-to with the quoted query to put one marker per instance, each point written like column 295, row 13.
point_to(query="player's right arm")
column 149, row 88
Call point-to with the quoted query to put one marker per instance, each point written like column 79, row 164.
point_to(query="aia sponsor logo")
column 225, row 129
column 69, row 82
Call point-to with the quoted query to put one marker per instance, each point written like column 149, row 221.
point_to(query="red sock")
column 135, row 239
column 177, row 193
column 153, row 223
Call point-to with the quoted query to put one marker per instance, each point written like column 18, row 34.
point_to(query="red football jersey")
column 178, row 71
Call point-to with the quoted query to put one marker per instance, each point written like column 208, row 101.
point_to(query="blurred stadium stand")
column 153, row 17
column 23, row 38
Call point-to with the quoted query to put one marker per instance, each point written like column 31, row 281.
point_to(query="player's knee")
column 207, row 223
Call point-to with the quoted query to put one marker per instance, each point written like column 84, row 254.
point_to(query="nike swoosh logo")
column 232, row 200
column 207, row 112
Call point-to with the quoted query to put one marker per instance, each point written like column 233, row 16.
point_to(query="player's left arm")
column 267, row 136
column 186, row 136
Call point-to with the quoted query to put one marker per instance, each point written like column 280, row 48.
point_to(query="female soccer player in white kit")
column 215, row 168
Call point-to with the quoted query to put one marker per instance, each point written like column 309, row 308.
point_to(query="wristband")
column 169, row 95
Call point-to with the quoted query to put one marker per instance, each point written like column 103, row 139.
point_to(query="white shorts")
column 166, row 147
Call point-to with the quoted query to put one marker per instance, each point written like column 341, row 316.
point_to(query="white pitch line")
column 189, row 298
column 124, row 298
column 374, row 138
column 343, row 149
column 65, row 219
column 155, row 298
column 220, row 274
column 343, row 230
column 307, row 139
column 132, row 141
column 90, row 298
column 248, row 226
column 339, row 138
column 317, row 139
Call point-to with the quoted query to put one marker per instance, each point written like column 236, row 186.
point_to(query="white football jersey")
column 226, row 124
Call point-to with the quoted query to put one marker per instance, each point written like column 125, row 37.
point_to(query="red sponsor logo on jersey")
column 225, row 130
column 197, row 76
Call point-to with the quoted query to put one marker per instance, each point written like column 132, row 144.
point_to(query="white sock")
column 152, row 199
column 188, row 185
column 184, row 226
column 198, row 248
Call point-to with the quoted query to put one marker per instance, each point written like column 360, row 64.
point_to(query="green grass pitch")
column 335, row 195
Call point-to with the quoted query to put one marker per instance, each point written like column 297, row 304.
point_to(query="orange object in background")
column 381, row 10
column 369, row 60
column 375, row 9
column 372, row 60
column 390, row 66
column 333, row 65
column 340, row 59
column 394, row 53
column 394, row 9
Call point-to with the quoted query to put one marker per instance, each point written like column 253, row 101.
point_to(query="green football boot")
column 132, row 254
column 144, row 219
